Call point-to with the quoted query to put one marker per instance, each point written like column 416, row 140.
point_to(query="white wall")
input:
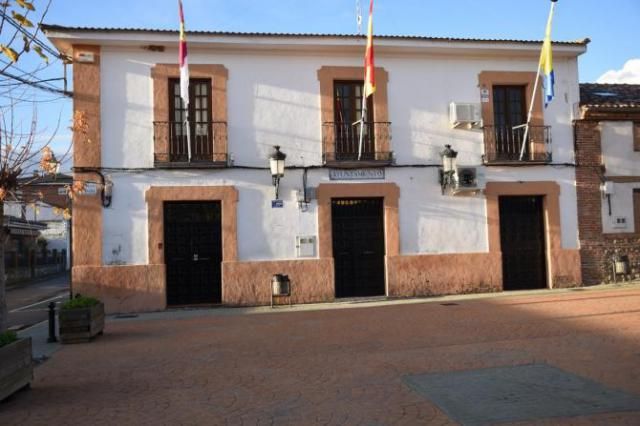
column 617, row 149
column 619, row 159
column 274, row 99
column 429, row 222
column 34, row 211
column 621, row 206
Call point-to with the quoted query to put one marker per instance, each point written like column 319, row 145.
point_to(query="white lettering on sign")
column 356, row 174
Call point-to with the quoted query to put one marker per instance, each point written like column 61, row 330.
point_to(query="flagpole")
column 362, row 119
column 184, row 78
column 530, row 114
column 535, row 89
column 186, row 123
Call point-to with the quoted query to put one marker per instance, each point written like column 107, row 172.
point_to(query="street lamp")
column 276, row 163
column 448, row 170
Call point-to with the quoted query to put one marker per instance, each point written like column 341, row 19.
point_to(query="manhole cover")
column 520, row 393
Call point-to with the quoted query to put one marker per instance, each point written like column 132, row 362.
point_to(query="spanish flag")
column 369, row 75
column 546, row 60
column 182, row 58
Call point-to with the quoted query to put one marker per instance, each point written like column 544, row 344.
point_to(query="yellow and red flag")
column 369, row 75
column 182, row 58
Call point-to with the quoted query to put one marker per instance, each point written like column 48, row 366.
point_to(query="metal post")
column 70, row 258
column 533, row 96
column 362, row 119
column 52, row 323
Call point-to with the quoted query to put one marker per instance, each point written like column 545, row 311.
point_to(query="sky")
column 612, row 25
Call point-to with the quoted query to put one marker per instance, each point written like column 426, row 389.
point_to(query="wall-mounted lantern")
column 276, row 163
column 448, row 170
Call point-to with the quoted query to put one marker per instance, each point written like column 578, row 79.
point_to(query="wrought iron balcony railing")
column 504, row 145
column 341, row 144
column 208, row 144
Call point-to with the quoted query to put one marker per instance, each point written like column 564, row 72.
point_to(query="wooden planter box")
column 81, row 325
column 16, row 367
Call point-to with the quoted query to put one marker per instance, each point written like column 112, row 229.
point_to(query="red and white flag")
column 369, row 74
column 184, row 65
column 369, row 78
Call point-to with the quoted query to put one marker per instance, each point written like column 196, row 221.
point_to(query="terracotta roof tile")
column 610, row 95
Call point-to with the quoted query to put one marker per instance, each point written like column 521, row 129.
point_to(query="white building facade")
column 180, row 232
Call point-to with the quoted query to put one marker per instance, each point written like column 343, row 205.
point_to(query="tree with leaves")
column 23, row 149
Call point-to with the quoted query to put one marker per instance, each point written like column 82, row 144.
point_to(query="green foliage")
column 80, row 302
column 7, row 337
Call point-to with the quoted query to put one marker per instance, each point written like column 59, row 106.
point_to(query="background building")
column 608, row 180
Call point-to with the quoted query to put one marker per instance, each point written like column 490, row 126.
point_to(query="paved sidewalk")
column 333, row 366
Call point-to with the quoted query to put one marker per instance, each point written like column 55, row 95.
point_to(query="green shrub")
column 7, row 337
column 80, row 302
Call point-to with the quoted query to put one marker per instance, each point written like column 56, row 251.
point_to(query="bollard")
column 52, row 323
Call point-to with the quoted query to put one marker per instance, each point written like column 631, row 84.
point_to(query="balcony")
column 503, row 145
column 208, row 144
column 340, row 142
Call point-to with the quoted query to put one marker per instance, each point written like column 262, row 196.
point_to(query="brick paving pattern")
column 343, row 366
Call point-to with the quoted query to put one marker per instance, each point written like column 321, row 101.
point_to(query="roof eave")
column 63, row 39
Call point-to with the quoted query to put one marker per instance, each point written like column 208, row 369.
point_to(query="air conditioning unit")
column 467, row 180
column 465, row 114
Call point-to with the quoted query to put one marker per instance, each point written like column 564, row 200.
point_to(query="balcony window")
column 505, row 140
column 194, row 124
column 342, row 136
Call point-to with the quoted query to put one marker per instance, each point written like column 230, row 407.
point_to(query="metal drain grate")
column 449, row 304
column 125, row 316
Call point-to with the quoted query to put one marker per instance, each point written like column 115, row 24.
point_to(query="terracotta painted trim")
column 551, row 205
column 126, row 288
column 327, row 75
column 439, row 274
column 566, row 268
column 219, row 75
column 87, row 209
column 556, row 266
column 86, row 99
column 157, row 195
column 488, row 79
column 389, row 191
column 249, row 283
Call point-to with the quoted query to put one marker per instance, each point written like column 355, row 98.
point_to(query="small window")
column 636, row 136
